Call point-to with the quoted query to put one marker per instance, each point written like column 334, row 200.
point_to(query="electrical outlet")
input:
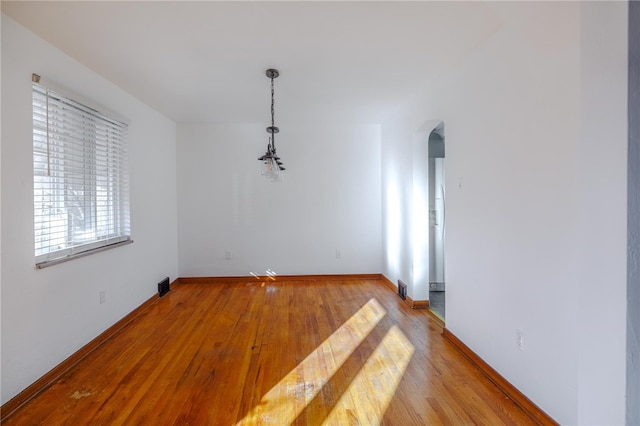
column 520, row 340
column 338, row 254
column 228, row 255
column 103, row 297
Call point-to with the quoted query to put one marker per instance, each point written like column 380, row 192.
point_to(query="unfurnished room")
column 320, row 212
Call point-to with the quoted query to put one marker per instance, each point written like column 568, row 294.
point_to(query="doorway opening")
column 437, row 208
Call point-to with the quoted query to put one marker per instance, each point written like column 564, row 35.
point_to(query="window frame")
column 80, row 163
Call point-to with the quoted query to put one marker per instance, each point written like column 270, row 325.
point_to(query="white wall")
column 48, row 314
column 0, row 208
column 397, row 207
column 602, row 294
column 329, row 200
column 633, row 221
column 521, row 139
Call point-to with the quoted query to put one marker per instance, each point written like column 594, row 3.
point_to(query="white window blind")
column 80, row 179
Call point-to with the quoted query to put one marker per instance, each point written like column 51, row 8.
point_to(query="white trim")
column 52, row 262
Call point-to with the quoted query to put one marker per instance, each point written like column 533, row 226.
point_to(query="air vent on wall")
column 163, row 287
column 402, row 290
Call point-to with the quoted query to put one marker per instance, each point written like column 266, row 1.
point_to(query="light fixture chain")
column 272, row 167
column 272, row 115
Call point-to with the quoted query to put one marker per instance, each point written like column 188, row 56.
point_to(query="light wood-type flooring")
column 317, row 352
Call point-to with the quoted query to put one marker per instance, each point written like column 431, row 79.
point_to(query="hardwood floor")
column 277, row 353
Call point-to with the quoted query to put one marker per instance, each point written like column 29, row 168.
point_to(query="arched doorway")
column 428, row 221
column 437, row 208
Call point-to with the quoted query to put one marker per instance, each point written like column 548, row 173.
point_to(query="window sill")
column 52, row 262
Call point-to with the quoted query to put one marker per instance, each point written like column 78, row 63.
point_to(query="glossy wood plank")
column 52, row 376
column 525, row 403
column 279, row 352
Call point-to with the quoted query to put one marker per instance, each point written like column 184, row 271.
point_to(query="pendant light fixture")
column 271, row 166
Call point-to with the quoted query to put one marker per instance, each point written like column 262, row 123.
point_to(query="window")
column 80, row 179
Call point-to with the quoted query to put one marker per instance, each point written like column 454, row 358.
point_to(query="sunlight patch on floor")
column 286, row 400
column 369, row 394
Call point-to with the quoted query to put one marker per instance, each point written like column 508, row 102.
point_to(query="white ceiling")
column 205, row 61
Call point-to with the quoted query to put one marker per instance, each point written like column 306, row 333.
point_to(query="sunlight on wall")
column 370, row 393
column 393, row 226
column 420, row 235
column 268, row 275
column 286, row 400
